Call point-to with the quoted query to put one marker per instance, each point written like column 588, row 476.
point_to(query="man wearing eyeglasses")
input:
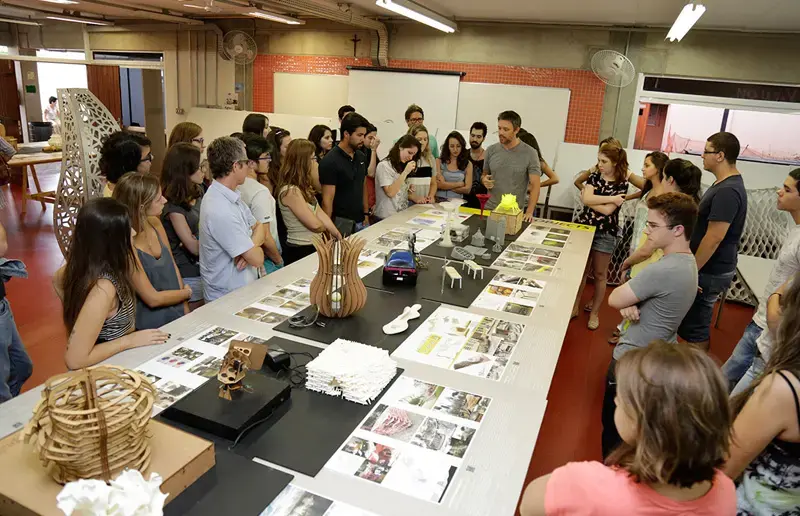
column 416, row 116
column 654, row 303
column 715, row 242
column 231, row 239
column 147, row 157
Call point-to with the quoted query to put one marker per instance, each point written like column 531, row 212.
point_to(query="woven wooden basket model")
column 92, row 423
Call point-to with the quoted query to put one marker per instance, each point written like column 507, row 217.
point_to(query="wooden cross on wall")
column 355, row 41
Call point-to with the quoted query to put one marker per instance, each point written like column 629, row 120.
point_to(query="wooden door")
column 103, row 81
column 9, row 99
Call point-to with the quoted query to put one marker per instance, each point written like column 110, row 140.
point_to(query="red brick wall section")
column 585, row 104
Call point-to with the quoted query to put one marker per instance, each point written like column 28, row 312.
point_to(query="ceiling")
column 750, row 15
column 760, row 15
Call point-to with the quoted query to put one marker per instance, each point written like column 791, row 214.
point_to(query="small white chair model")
column 473, row 269
column 454, row 275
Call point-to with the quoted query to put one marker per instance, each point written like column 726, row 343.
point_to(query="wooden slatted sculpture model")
column 92, row 423
column 337, row 289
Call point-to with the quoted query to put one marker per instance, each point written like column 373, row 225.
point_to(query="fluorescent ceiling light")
column 194, row 6
column 277, row 18
column 418, row 13
column 689, row 15
column 19, row 22
column 60, row 1
column 75, row 19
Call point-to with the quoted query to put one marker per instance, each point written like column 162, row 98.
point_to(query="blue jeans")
column 743, row 354
column 696, row 326
column 755, row 370
column 15, row 364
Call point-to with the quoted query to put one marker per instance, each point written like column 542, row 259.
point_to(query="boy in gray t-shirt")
column 666, row 290
column 655, row 302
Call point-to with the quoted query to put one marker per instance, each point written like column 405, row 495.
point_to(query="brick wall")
column 585, row 104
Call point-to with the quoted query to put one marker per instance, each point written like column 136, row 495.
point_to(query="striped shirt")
column 122, row 322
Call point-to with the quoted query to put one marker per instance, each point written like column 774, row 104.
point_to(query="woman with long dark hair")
column 302, row 214
column 454, row 178
column 256, row 123
column 765, row 448
column 161, row 294
column 322, row 137
column 602, row 195
column 279, row 140
column 392, row 193
column 181, row 182
column 96, row 287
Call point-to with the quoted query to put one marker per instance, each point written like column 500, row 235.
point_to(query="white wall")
column 310, row 94
column 693, row 122
column 223, row 122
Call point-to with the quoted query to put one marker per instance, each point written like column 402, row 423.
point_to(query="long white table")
column 492, row 474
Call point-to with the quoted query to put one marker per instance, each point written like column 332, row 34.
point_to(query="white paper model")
column 129, row 493
column 355, row 371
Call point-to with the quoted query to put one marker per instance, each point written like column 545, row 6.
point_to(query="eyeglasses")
column 149, row 157
column 243, row 162
column 416, row 119
column 201, row 141
column 652, row 225
column 265, row 158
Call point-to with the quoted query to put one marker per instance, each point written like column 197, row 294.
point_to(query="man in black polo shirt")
column 342, row 173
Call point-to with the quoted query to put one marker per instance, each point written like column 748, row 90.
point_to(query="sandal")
column 614, row 340
column 588, row 307
column 594, row 322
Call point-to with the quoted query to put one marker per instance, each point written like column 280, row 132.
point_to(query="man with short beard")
column 477, row 135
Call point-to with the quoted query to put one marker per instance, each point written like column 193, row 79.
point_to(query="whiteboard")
column 310, row 94
column 382, row 97
column 543, row 111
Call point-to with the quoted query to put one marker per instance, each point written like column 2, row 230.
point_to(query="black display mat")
column 429, row 284
column 304, row 433
column 366, row 325
column 234, row 484
column 474, row 224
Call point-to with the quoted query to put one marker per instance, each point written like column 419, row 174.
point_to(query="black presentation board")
column 429, row 284
column 305, row 432
column 474, row 222
column 366, row 325
column 235, row 483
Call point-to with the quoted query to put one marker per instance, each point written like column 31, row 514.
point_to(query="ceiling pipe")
column 323, row 9
column 135, row 12
column 155, row 15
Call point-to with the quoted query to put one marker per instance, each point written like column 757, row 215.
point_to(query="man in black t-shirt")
column 477, row 134
column 715, row 240
column 342, row 173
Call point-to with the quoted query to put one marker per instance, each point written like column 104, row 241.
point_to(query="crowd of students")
column 677, row 430
column 671, row 439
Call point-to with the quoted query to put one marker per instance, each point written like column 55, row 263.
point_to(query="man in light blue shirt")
column 230, row 237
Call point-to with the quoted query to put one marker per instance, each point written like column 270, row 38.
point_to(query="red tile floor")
column 571, row 427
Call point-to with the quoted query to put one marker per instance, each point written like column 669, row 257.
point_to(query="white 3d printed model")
column 352, row 370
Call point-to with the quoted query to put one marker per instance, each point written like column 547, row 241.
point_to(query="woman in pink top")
column 675, row 421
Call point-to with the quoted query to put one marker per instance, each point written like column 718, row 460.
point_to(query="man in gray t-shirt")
column 655, row 302
column 511, row 166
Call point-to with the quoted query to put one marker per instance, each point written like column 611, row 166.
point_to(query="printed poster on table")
column 528, row 257
column 296, row 501
column 190, row 364
column 281, row 304
column 511, row 294
column 464, row 342
column 551, row 237
column 436, row 219
column 414, row 440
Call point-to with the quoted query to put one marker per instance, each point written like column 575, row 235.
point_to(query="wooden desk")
column 28, row 161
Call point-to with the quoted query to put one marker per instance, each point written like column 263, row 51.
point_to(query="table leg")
column 24, row 189
column 36, row 182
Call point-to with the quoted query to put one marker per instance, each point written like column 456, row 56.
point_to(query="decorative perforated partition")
column 85, row 123
column 764, row 233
